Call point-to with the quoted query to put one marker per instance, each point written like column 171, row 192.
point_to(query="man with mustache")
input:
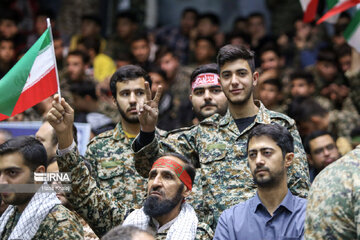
column 110, row 153
column 273, row 213
column 165, row 211
column 217, row 145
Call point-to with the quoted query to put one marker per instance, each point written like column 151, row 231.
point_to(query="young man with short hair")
column 37, row 215
column 321, row 150
column 273, row 213
column 216, row 145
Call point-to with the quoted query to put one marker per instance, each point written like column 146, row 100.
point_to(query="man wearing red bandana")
column 164, row 211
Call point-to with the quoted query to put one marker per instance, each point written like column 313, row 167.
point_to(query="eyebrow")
column 136, row 89
column 261, row 149
column 11, row 168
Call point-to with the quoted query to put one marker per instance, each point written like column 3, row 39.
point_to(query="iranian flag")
column 352, row 32
column 31, row 80
column 309, row 7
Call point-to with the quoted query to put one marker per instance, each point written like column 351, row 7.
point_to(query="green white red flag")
column 352, row 32
column 309, row 7
column 32, row 79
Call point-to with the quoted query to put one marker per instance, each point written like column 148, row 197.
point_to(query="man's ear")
column 190, row 97
column 289, row 159
column 255, row 78
column 186, row 192
column 40, row 169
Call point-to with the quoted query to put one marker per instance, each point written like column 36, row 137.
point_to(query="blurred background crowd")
column 307, row 71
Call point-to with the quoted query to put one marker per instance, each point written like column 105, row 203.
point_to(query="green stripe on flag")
column 331, row 3
column 12, row 84
column 353, row 25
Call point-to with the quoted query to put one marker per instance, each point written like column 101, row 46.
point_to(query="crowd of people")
column 195, row 134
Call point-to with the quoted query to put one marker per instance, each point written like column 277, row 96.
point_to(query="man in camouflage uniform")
column 167, row 188
column 218, row 144
column 110, row 153
column 333, row 210
column 29, row 215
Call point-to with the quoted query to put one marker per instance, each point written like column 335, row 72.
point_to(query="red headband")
column 177, row 168
column 206, row 79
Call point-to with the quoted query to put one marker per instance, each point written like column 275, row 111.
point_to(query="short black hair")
column 84, row 56
column 277, row 133
column 189, row 10
column 208, row 39
column 326, row 54
column 301, row 109
column 256, row 14
column 207, row 68
column 90, row 43
column 343, row 50
column 270, row 47
column 141, row 35
column 125, row 73
column 230, row 53
column 189, row 167
column 128, row 14
column 126, row 232
column 303, row 75
column 32, row 150
column 46, row 13
column 92, row 17
column 214, row 19
column 158, row 70
column 244, row 36
column 164, row 50
column 313, row 135
column 275, row 82
column 84, row 88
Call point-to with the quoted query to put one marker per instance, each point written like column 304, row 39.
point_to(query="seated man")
column 274, row 213
column 37, row 215
column 322, row 150
column 164, row 211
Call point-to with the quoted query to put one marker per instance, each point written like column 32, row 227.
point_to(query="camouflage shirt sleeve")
column 181, row 141
column 333, row 210
column 99, row 208
column 60, row 223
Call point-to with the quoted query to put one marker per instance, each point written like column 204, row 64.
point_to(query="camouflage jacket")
column 101, row 209
column 218, row 148
column 112, row 163
column 60, row 223
column 333, row 210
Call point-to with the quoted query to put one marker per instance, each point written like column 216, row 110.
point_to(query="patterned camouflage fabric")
column 333, row 210
column 354, row 81
column 60, row 223
column 219, row 149
column 101, row 209
column 341, row 123
column 113, row 168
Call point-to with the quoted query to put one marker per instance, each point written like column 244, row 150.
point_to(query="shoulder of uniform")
column 281, row 117
column 212, row 120
column 60, row 213
column 101, row 136
column 183, row 129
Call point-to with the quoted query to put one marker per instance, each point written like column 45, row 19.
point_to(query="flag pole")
column 53, row 52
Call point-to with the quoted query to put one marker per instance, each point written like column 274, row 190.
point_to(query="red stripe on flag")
column 338, row 9
column 44, row 88
column 310, row 13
